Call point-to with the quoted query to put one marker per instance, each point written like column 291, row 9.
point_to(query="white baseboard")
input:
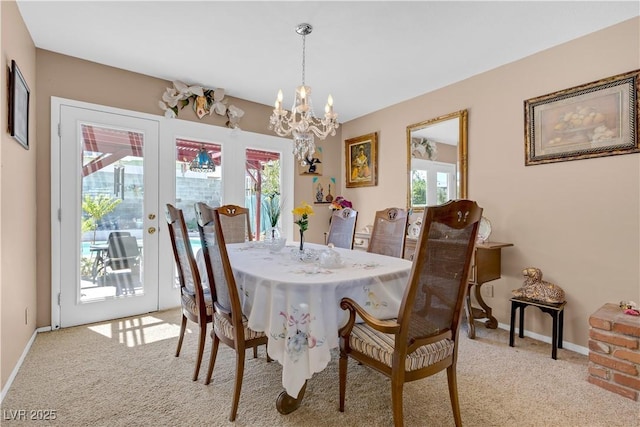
column 566, row 345
column 7, row 386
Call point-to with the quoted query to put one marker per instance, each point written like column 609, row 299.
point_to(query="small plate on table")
column 484, row 230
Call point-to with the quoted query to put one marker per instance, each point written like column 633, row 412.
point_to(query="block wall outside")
column 128, row 215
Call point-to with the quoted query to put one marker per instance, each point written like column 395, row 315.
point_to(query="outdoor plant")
column 272, row 201
column 86, row 266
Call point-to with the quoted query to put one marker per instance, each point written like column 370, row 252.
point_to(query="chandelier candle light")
column 301, row 121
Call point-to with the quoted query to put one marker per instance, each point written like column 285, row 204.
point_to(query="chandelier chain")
column 304, row 55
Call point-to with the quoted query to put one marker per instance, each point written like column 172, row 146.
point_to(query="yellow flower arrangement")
column 303, row 210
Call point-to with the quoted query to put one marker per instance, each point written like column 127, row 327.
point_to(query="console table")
column 485, row 267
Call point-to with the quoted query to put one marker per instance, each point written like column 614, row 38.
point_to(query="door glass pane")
column 262, row 191
column 198, row 179
column 112, row 196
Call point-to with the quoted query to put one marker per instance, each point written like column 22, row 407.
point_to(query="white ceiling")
column 368, row 55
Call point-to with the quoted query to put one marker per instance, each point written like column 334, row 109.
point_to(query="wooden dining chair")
column 423, row 340
column 235, row 223
column 389, row 232
column 197, row 305
column 230, row 325
column 343, row 228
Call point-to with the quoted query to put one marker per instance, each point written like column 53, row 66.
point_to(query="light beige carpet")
column 124, row 373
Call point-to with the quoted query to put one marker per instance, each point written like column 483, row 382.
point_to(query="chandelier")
column 301, row 122
column 202, row 162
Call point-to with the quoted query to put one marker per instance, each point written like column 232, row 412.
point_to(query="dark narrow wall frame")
column 18, row 106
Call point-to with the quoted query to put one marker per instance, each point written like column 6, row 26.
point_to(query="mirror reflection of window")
column 427, row 171
column 419, row 188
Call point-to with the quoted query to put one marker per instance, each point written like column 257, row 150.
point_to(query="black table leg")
column 554, row 336
column 561, row 329
column 513, row 322
column 521, row 330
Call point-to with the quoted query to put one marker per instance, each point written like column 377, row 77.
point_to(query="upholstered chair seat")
column 189, row 302
column 381, row 347
column 221, row 325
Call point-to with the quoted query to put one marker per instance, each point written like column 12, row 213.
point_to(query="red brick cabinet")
column 614, row 351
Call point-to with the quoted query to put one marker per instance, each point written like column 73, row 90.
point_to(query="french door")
column 104, row 233
column 111, row 253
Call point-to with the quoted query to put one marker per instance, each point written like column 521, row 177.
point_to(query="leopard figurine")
column 537, row 289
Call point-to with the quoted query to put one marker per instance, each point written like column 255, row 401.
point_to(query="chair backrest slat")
column 235, row 223
column 343, row 228
column 389, row 232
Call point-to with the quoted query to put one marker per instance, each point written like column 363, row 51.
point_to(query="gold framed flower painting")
column 592, row 120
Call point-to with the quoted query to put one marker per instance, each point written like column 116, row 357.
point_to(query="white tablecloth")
column 297, row 303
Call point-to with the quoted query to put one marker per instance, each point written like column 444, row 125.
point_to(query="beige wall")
column 17, row 202
column 578, row 221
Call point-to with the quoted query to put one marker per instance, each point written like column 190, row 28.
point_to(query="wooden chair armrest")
column 384, row 326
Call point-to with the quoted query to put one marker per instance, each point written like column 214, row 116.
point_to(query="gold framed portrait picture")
column 361, row 161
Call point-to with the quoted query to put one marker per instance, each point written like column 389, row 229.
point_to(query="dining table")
column 295, row 299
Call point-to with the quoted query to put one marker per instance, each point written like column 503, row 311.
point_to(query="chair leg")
column 212, row 359
column 267, row 353
column 201, row 341
column 396, row 402
column 342, row 365
column 238, row 384
column 453, row 394
column 255, row 352
column 183, row 327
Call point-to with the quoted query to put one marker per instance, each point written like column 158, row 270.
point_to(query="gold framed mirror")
column 437, row 160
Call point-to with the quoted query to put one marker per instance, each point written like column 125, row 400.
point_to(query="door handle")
column 151, row 230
